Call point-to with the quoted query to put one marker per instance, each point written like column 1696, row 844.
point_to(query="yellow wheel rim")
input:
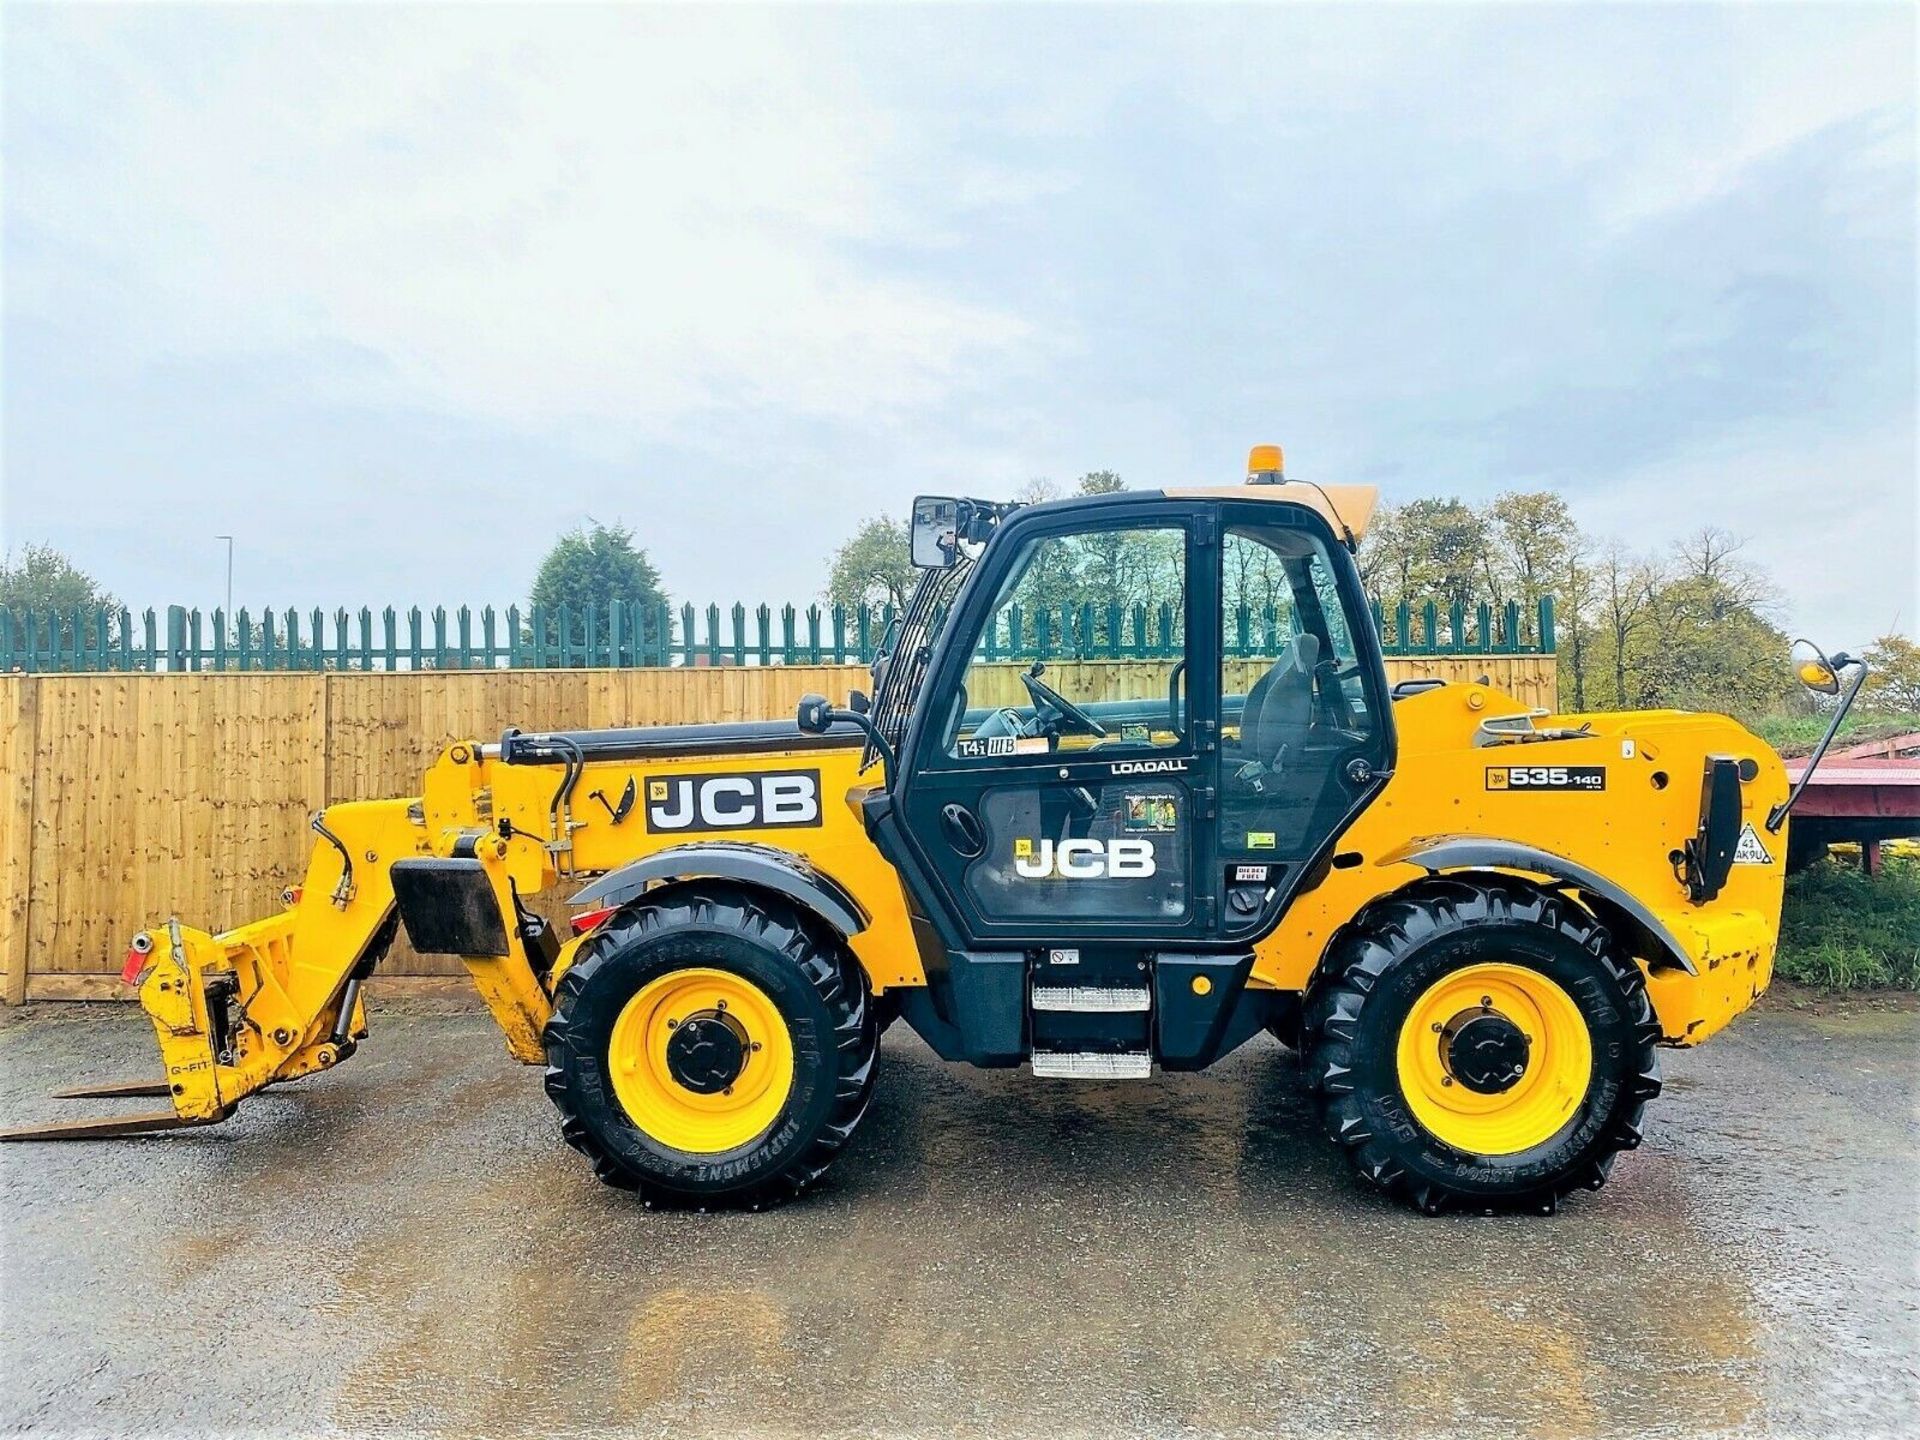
column 1531, row 1098
column 701, row 1061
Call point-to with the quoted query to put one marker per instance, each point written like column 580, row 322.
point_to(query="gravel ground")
column 404, row 1247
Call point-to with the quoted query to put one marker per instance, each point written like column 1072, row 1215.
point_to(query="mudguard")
column 1480, row 852
column 761, row 865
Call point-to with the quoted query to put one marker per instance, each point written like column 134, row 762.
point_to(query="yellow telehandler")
column 1138, row 839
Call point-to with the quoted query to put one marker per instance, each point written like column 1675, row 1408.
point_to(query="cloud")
column 1833, row 523
column 743, row 277
column 1703, row 318
column 631, row 218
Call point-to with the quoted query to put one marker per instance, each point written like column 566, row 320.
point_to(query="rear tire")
column 1576, row 1055
column 803, row 998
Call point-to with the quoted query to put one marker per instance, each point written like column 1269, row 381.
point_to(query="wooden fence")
column 130, row 797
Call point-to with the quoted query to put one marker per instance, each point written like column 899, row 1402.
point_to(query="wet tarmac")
column 404, row 1247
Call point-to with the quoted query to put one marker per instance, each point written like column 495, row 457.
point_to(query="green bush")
column 1844, row 931
column 1798, row 734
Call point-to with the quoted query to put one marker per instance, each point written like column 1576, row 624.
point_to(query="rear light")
column 137, row 962
column 589, row 920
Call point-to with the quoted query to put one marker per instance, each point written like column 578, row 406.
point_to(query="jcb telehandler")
column 1475, row 922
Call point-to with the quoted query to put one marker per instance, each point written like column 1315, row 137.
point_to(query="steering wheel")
column 1067, row 716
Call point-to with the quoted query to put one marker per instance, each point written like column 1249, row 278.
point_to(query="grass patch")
column 1797, row 734
column 1842, row 931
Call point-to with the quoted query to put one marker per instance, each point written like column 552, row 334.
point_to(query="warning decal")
column 1750, row 850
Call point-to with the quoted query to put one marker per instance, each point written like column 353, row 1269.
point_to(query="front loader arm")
column 279, row 998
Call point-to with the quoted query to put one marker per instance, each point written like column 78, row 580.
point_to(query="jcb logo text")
column 1084, row 859
column 764, row 800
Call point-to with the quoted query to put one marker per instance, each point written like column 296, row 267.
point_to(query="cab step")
column 1092, row 999
column 1092, row 1064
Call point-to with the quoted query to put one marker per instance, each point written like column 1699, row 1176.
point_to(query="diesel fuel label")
column 1546, row 777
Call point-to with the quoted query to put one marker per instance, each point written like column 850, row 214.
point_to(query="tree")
column 1533, row 536
column 1575, row 608
column 873, row 567
column 1712, row 556
column 1099, row 577
column 1113, row 567
column 1426, row 549
column 1893, row 684
column 1706, row 648
column 1452, row 536
column 595, row 564
column 1708, row 643
column 1386, row 564
column 1692, row 628
column 1625, row 585
column 44, row 580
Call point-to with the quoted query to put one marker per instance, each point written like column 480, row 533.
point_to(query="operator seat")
column 1279, row 708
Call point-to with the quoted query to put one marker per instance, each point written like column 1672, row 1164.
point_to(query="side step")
column 1091, row 999
column 1092, row 1065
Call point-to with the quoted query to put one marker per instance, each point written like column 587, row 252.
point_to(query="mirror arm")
column 1777, row 816
column 889, row 766
column 816, row 716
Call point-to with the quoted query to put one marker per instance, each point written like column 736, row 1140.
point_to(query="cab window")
column 1084, row 647
column 1294, row 707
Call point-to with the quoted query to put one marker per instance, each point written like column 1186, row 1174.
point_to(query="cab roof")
column 1347, row 509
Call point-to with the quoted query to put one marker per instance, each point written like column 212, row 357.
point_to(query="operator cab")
column 1121, row 732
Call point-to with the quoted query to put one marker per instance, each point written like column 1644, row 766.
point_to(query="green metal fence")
column 619, row 634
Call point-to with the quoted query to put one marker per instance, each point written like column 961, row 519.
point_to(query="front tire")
column 711, row 1045
column 1478, row 1044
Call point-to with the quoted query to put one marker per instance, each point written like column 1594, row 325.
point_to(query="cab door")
column 1061, row 785
column 1306, row 730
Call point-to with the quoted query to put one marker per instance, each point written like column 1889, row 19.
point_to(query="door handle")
column 963, row 830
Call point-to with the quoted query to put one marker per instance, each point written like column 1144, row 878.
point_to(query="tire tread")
column 819, row 956
column 1385, row 934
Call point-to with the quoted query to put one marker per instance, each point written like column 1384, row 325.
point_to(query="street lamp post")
column 229, row 540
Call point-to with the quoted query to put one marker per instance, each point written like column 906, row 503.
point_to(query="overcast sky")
column 395, row 295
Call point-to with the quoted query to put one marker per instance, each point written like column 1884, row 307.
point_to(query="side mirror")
column 1820, row 674
column 936, row 532
column 815, row 714
column 1814, row 669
